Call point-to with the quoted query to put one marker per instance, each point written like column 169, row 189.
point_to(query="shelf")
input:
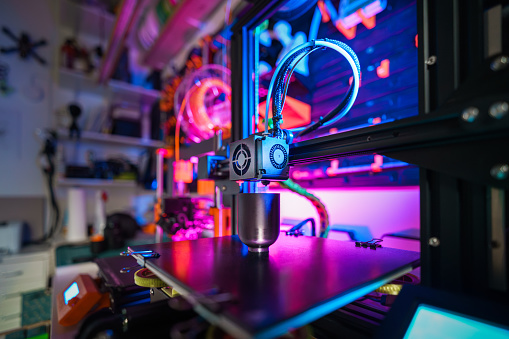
column 76, row 80
column 124, row 89
column 113, row 139
column 79, row 81
column 86, row 19
column 95, row 182
column 127, row 17
column 181, row 29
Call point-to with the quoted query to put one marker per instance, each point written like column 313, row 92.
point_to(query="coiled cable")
column 279, row 85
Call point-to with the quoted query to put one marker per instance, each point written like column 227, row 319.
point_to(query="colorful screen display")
column 71, row 292
column 431, row 322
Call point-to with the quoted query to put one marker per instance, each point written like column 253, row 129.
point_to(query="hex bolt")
column 500, row 171
column 431, row 60
column 500, row 63
column 434, row 242
column 470, row 114
column 499, row 109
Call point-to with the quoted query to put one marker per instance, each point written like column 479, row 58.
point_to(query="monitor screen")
column 71, row 292
column 432, row 322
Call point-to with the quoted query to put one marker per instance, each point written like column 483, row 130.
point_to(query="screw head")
column 151, row 291
column 500, row 171
column 499, row 109
column 434, row 242
column 223, row 188
column 431, row 60
column 500, row 63
column 470, row 114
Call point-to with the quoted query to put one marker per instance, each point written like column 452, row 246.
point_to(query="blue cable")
column 287, row 65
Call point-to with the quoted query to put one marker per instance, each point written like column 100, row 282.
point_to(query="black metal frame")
column 455, row 156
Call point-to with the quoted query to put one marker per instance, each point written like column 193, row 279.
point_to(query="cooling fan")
column 241, row 159
column 259, row 157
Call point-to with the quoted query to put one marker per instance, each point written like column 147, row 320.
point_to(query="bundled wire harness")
column 279, row 86
column 317, row 203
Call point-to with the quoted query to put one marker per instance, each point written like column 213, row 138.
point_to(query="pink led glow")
column 163, row 151
column 372, row 9
column 350, row 80
column 351, row 21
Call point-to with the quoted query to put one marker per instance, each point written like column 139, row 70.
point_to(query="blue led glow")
column 71, row 292
column 327, row 307
column 137, row 302
column 154, row 184
column 432, row 322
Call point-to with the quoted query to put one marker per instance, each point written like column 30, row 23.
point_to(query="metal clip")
column 373, row 243
column 145, row 254
column 128, row 269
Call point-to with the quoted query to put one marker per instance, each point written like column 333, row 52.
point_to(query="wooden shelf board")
column 95, row 182
column 114, row 139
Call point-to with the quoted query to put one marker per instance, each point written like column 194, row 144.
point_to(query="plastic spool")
column 203, row 112
column 145, row 278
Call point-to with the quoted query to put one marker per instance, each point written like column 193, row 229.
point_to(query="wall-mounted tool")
column 25, row 46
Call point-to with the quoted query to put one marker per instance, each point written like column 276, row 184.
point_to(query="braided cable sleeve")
column 277, row 95
column 280, row 81
column 317, row 203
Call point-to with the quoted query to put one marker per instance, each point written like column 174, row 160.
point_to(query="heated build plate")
column 301, row 280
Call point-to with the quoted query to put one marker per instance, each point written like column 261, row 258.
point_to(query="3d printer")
column 419, row 103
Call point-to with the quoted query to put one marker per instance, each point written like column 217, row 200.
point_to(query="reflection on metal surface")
column 258, row 220
column 267, row 291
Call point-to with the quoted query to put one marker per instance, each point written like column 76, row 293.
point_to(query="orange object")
column 77, row 300
column 97, row 238
column 198, row 112
column 323, row 10
column 149, row 228
column 206, row 187
column 349, row 33
column 417, row 40
column 222, row 221
column 295, row 114
column 368, row 22
column 376, row 166
column 383, row 70
column 183, row 171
